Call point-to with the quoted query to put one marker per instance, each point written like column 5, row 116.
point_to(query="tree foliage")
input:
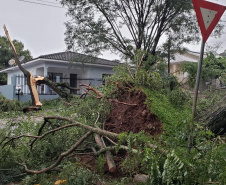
column 212, row 68
column 6, row 52
column 172, row 45
column 125, row 26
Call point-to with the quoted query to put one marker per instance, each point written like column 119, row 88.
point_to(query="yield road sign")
column 208, row 15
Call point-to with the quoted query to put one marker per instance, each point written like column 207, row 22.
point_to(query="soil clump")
column 130, row 114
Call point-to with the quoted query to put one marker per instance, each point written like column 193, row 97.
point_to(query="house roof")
column 77, row 57
column 188, row 56
column 182, row 58
column 68, row 56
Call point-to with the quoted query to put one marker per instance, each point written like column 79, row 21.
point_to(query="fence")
column 42, row 89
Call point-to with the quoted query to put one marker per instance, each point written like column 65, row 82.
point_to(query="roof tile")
column 77, row 57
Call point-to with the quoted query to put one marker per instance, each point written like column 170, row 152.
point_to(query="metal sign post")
column 208, row 15
column 196, row 92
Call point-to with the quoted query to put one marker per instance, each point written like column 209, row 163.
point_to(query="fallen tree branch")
column 129, row 85
column 63, row 93
column 101, row 144
column 96, row 130
column 38, row 137
column 91, row 130
column 124, row 103
column 118, row 86
column 80, row 154
column 109, row 157
column 122, row 146
column 88, row 88
column 113, row 148
column 75, row 123
column 11, row 139
column 165, row 152
column 39, row 132
column 60, row 158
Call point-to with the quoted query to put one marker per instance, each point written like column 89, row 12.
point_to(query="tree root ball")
column 132, row 115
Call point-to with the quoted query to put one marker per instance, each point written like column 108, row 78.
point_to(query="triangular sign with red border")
column 208, row 15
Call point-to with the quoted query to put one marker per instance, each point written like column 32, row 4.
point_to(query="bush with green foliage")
column 9, row 105
column 212, row 68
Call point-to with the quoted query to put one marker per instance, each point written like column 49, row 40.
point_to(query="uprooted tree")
column 111, row 137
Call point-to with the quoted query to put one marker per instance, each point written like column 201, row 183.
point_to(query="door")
column 73, row 83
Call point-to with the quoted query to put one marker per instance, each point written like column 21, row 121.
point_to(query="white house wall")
column 86, row 73
column 98, row 71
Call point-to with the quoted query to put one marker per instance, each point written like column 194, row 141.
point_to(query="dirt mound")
column 130, row 113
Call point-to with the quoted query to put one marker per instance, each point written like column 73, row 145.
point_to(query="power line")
column 41, row 4
column 47, row 2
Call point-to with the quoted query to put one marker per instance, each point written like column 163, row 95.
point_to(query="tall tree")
column 173, row 45
column 125, row 26
column 6, row 52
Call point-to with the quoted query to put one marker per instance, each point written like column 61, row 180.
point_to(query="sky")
column 41, row 28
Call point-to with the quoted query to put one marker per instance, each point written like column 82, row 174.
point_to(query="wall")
column 8, row 91
column 16, row 71
column 98, row 71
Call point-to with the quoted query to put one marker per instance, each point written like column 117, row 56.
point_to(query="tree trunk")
column 109, row 157
column 26, row 73
column 62, row 92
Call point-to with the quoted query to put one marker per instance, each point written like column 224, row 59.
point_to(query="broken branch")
column 61, row 156
column 74, row 123
column 109, row 157
column 96, row 130
column 124, row 103
column 88, row 88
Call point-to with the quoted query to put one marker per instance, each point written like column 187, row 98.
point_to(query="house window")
column 52, row 76
column 104, row 76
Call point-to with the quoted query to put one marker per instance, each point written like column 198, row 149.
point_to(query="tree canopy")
column 6, row 52
column 212, row 68
column 125, row 26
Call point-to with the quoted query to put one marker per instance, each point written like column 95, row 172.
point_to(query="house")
column 190, row 56
column 179, row 59
column 70, row 67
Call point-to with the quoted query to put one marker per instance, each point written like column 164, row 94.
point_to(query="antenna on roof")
column 11, row 62
column 21, row 58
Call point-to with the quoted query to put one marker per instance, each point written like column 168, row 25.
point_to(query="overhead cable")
column 41, row 4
